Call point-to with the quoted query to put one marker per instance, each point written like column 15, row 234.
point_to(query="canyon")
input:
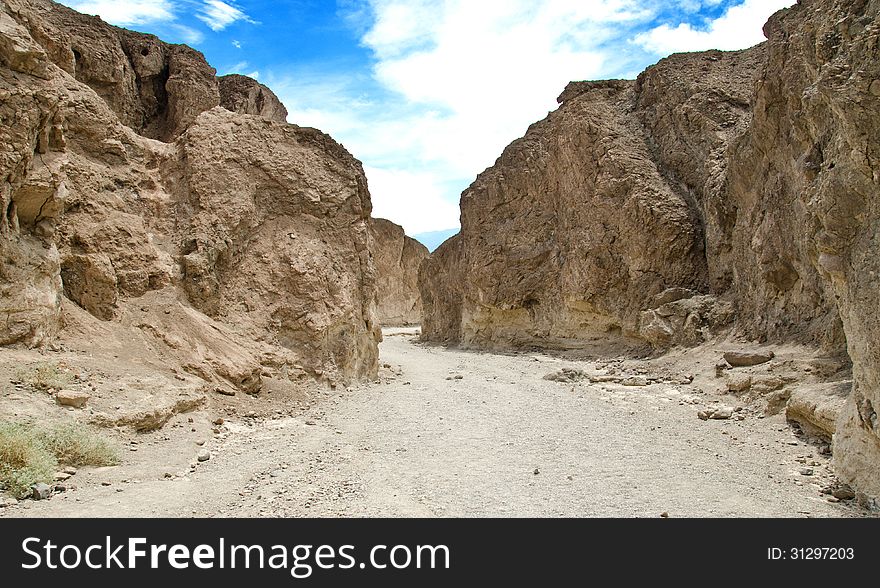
column 692, row 251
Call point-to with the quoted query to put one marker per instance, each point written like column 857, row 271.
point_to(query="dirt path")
column 501, row 441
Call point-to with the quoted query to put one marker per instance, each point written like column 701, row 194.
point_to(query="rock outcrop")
column 229, row 244
column 245, row 95
column 719, row 192
column 397, row 258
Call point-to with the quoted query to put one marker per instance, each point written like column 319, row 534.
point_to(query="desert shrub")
column 75, row 446
column 44, row 376
column 24, row 459
column 30, row 454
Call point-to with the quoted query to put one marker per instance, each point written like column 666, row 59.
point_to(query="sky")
column 428, row 93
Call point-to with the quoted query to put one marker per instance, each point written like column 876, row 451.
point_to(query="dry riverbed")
column 449, row 433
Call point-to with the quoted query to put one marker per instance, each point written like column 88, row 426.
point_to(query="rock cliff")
column 233, row 245
column 397, row 258
column 718, row 193
column 244, row 95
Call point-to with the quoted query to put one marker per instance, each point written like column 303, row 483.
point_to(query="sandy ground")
column 499, row 442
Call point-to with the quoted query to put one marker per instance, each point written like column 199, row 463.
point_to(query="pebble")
column 62, row 477
column 537, row 471
column 204, row 455
column 106, row 483
column 664, row 515
column 70, row 470
column 311, row 423
column 807, row 471
column 200, row 442
column 6, row 501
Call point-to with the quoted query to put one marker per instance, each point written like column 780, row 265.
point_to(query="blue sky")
column 427, row 93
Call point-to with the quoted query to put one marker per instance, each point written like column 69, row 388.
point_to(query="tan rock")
column 245, row 95
column 738, row 383
column 397, row 258
column 747, row 358
column 73, row 398
column 817, row 408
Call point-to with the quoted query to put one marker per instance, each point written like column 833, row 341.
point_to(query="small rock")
column 224, row 391
column 875, row 88
column 459, row 377
column 537, row 471
column 806, row 471
column 106, row 483
column 833, row 499
column 41, row 491
column 664, row 515
column 70, row 470
column 748, row 358
column 61, row 477
column 204, row 455
column 703, row 415
column 72, row 398
column 722, row 413
column 738, row 383
column 843, row 492
column 635, row 381
column 825, row 450
column 311, row 423
column 201, row 442
column 219, row 422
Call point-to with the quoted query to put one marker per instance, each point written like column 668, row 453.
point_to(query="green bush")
column 31, row 454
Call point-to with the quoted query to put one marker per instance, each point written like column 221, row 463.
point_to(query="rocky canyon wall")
column 233, row 243
column 719, row 192
column 397, row 258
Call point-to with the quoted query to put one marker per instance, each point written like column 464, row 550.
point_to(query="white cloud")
column 738, row 28
column 218, row 15
column 462, row 79
column 188, row 35
column 128, row 13
column 416, row 201
column 236, row 44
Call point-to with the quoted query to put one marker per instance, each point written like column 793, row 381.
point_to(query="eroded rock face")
column 155, row 88
column 277, row 239
column 815, row 142
column 441, row 287
column 554, row 249
column 237, row 251
column 397, row 258
column 719, row 192
column 245, row 95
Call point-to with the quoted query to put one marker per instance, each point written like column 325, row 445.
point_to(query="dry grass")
column 45, row 376
column 30, row 454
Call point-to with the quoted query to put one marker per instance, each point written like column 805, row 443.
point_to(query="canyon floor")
column 454, row 433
